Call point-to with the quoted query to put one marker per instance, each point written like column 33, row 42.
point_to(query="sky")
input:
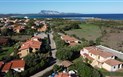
column 74, row 6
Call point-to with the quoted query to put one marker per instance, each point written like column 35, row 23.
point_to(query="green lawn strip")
column 107, row 73
column 78, row 60
column 113, row 73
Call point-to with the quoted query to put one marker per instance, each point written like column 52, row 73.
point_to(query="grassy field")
column 6, row 51
column 87, row 31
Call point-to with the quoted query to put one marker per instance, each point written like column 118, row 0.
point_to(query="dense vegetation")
column 85, row 70
column 61, row 25
column 65, row 52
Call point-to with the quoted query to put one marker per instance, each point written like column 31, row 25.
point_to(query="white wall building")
column 101, row 58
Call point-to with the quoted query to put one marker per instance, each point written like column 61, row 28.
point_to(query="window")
column 114, row 67
column 36, row 48
column 98, row 57
column 112, row 57
column 119, row 66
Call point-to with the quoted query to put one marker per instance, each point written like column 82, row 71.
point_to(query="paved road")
column 53, row 48
column 41, row 73
column 53, row 45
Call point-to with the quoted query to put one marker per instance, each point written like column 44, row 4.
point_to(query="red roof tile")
column 88, row 57
column 113, row 62
column 89, row 48
column 68, row 38
column 31, row 44
column 6, row 67
column 99, row 52
column 62, row 75
column 18, row 64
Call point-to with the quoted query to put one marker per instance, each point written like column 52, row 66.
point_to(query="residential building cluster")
column 30, row 46
column 102, row 59
column 19, row 25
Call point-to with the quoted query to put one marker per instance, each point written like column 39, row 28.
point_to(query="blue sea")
column 78, row 16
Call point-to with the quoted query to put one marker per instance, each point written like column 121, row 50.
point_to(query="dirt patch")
column 113, row 38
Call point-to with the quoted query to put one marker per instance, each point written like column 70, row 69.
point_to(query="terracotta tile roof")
column 89, row 48
column 62, row 75
column 31, row 44
column 68, row 38
column 6, row 67
column 99, row 52
column 18, row 64
column 66, row 63
column 106, row 54
column 18, row 27
column 88, row 57
column 113, row 62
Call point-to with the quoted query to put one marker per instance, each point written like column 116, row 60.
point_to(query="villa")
column 100, row 58
column 18, row 29
column 70, row 40
column 16, row 65
column 30, row 46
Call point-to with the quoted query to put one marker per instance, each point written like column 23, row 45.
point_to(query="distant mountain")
column 42, row 12
column 49, row 12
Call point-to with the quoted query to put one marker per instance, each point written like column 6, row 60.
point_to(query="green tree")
column 56, row 67
column 91, row 43
column 64, row 54
column 4, row 31
column 9, row 74
column 30, row 23
column 85, row 70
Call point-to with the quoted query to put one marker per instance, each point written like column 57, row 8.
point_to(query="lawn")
column 87, row 31
column 21, row 37
column 6, row 51
column 80, row 59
